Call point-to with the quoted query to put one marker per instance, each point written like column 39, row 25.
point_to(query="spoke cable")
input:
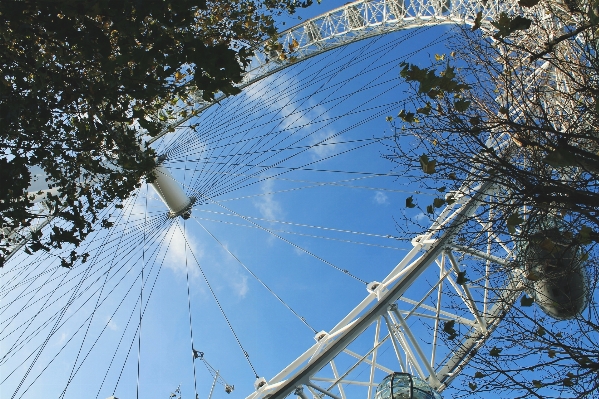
column 222, row 311
column 301, row 318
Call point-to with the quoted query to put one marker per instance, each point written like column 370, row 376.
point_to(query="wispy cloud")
column 381, row 198
column 62, row 339
column 306, row 120
column 235, row 275
column 268, row 207
column 180, row 250
column 421, row 217
column 111, row 324
column 240, row 284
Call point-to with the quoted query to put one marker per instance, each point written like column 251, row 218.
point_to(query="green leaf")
column 478, row 374
column 560, row 158
column 537, row 383
column 442, row 189
column 449, row 328
column 526, row 301
column 506, row 25
column 495, row 351
column 452, row 176
column 567, row 382
column 389, row 119
column 438, row 202
column 461, row 105
column 409, row 117
column 533, row 275
column 541, row 331
column 425, row 110
column 551, row 353
column 430, row 209
column 528, row 3
column 410, row 202
column 472, row 386
column 512, row 221
column 584, row 235
column 583, row 257
column 428, row 166
column 477, row 21
column 462, row 278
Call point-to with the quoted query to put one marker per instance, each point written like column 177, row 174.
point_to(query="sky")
column 328, row 202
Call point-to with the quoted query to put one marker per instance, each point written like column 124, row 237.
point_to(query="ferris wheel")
column 278, row 189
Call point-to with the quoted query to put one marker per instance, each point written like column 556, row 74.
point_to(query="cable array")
column 292, row 128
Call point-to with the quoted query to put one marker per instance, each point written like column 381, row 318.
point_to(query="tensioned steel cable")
column 303, row 225
column 141, row 293
column 57, row 269
column 73, row 336
column 69, row 317
column 344, row 271
column 306, row 235
column 247, row 356
column 137, row 330
column 298, row 105
column 255, row 144
column 301, row 318
column 327, row 70
column 72, row 374
column 31, row 333
column 431, row 44
column 193, row 364
column 272, row 93
column 286, row 169
column 116, row 350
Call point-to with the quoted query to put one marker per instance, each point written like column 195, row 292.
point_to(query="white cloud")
column 421, row 217
column 234, row 276
column 179, row 251
column 62, row 339
column 307, row 119
column 240, row 284
column 111, row 324
column 269, row 208
column 381, row 198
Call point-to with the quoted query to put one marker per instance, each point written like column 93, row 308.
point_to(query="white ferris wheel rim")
column 300, row 372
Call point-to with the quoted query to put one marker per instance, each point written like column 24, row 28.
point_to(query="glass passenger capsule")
column 404, row 386
column 554, row 266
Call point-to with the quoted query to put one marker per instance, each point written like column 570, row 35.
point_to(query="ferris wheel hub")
column 170, row 192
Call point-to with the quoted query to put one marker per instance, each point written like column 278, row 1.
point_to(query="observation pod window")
column 554, row 266
column 404, row 386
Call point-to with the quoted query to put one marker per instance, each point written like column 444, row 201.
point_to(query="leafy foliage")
column 83, row 81
column 515, row 104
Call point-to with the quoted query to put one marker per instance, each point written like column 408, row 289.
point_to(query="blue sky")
column 334, row 206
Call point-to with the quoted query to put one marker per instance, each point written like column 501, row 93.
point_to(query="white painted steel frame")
column 430, row 250
column 350, row 23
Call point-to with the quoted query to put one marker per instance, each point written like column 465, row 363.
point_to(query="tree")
column 517, row 105
column 83, row 82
